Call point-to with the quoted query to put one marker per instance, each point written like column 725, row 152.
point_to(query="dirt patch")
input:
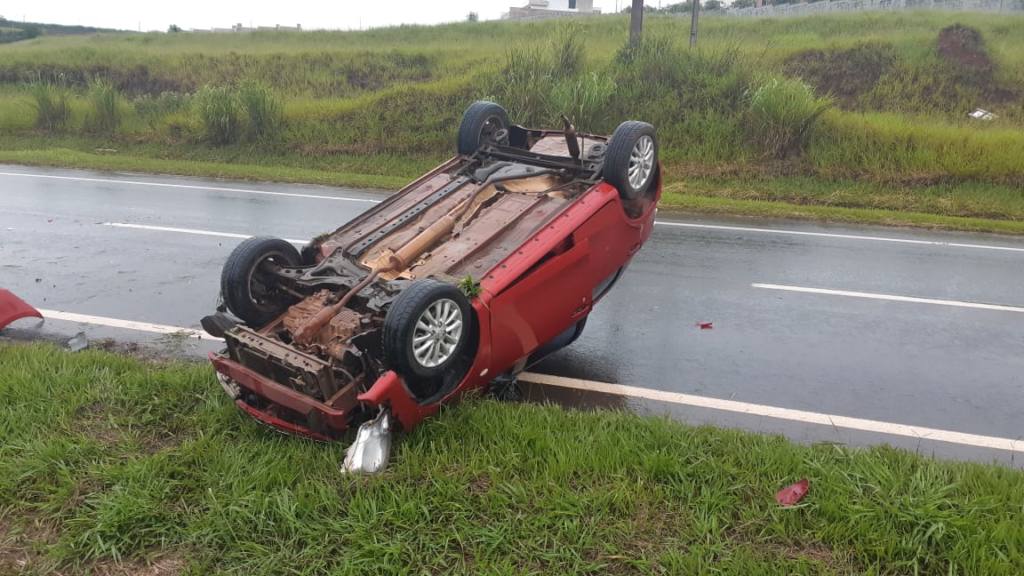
column 815, row 552
column 96, row 420
column 165, row 566
column 962, row 76
column 93, row 420
column 480, row 485
column 132, row 80
column 962, row 50
column 845, row 74
column 14, row 557
column 22, row 546
column 21, row 543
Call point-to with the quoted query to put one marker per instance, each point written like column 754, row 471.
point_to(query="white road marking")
column 840, row 236
column 860, row 424
column 126, row 324
column 191, row 187
column 734, row 406
column 191, row 231
column 892, row 297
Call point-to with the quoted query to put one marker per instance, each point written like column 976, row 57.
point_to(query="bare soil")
column 845, row 74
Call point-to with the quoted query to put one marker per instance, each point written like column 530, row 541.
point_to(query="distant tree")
column 173, row 29
column 742, row 4
column 472, row 17
column 678, row 8
column 713, row 5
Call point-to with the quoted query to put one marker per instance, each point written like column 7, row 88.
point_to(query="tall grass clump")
column 583, row 99
column 153, row 110
column 104, row 115
column 219, row 113
column 781, row 115
column 263, row 111
column 523, row 84
column 50, row 101
column 540, row 83
column 692, row 96
column 567, row 51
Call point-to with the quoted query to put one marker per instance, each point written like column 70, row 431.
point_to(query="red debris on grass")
column 13, row 308
column 705, row 325
column 793, row 493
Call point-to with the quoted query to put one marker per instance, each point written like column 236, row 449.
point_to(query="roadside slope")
column 858, row 117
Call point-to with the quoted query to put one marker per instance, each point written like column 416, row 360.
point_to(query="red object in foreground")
column 793, row 493
column 705, row 325
column 13, row 308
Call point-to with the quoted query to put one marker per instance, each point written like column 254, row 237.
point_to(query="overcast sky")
column 342, row 14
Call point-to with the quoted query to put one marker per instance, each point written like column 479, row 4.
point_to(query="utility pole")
column 694, row 12
column 636, row 23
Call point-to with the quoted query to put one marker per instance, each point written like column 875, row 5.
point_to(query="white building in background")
column 536, row 9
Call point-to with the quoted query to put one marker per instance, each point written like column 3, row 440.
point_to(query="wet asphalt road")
column 940, row 366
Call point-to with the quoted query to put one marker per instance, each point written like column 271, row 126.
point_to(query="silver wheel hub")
column 437, row 333
column 641, row 162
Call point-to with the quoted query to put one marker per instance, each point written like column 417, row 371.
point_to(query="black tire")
column 618, row 157
column 256, row 301
column 309, row 253
column 400, row 324
column 479, row 124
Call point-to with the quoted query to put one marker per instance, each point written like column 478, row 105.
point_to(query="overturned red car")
column 474, row 271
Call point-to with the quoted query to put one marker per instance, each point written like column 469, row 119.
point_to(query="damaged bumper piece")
column 13, row 308
column 371, row 449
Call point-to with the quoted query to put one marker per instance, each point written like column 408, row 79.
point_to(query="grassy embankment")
column 852, row 117
column 105, row 459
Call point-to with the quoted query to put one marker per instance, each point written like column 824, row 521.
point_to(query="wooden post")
column 636, row 23
column 694, row 12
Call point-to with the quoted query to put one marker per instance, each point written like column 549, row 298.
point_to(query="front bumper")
column 315, row 419
column 261, row 398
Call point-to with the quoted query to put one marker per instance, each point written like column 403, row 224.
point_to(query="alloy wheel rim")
column 437, row 333
column 641, row 162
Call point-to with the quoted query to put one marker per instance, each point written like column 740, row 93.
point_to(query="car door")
column 559, row 290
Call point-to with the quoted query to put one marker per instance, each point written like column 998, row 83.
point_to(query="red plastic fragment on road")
column 13, row 308
column 705, row 325
column 793, row 493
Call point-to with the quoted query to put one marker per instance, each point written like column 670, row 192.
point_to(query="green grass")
column 700, row 204
column 106, row 459
column 240, row 162
column 859, row 105
column 953, row 206
column 769, row 197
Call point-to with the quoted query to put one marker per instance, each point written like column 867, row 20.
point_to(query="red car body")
column 534, row 294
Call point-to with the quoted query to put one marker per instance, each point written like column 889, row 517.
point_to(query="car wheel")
column 426, row 330
column 248, row 290
column 631, row 160
column 482, row 123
